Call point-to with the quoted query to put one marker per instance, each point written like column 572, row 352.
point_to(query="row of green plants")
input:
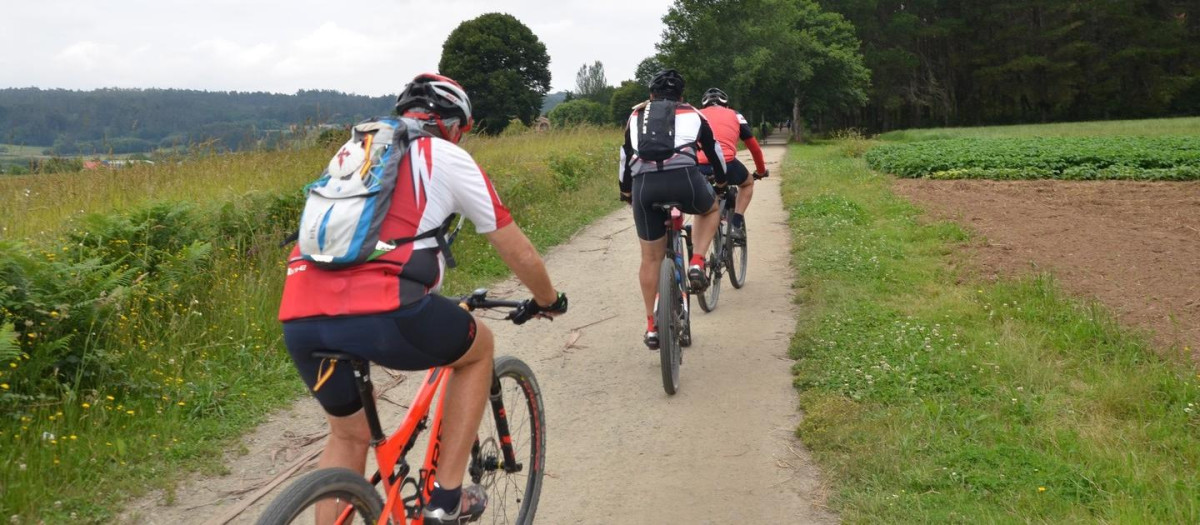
column 135, row 343
column 932, row 396
column 1067, row 158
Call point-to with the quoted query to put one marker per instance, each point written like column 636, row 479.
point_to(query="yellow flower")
column 110, row 398
column 74, row 437
column 181, row 403
column 1041, row 489
column 86, row 405
column 32, row 335
column 55, row 461
column 130, row 412
column 3, row 386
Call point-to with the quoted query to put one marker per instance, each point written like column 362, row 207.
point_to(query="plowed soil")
column 1134, row 246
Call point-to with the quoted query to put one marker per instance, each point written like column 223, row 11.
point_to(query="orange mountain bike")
column 508, row 457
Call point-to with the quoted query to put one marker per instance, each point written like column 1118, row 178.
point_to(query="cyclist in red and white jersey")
column 385, row 310
column 728, row 127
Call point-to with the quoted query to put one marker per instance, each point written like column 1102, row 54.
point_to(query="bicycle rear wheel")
column 512, row 494
column 321, row 496
column 666, row 319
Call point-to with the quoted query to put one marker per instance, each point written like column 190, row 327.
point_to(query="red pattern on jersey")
column 726, row 129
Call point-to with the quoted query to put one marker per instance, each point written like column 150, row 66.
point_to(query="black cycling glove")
column 530, row 308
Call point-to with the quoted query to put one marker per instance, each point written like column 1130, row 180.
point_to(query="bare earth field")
column 1133, row 246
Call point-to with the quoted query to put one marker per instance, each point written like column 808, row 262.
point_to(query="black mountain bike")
column 672, row 318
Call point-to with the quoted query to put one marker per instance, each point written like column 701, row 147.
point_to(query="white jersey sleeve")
column 473, row 194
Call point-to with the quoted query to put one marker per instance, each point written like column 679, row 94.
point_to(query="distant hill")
column 140, row 120
column 552, row 100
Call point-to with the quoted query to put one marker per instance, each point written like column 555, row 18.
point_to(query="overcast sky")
column 370, row 48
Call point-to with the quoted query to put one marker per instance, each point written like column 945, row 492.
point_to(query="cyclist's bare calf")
column 744, row 194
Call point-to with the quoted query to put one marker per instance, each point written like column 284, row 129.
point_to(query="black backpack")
column 656, row 132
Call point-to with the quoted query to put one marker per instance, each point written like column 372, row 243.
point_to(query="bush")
column 577, row 112
column 514, row 127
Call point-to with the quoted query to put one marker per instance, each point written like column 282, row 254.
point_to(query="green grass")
column 933, row 398
column 139, row 340
column 1066, row 158
column 1147, row 128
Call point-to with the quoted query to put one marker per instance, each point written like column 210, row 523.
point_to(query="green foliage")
column 514, row 127
column 647, row 68
column 503, row 67
column 789, row 54
column 591, row 84
column 1037, row 61
column 932, row 398
column 628, row 95
column 579, row 111
column 139, row 120
column 1071, row 158
column 135, row 342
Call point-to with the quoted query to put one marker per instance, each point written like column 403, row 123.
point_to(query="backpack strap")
column 439, row 233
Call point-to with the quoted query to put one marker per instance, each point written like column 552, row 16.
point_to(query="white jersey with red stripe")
column 436, row 180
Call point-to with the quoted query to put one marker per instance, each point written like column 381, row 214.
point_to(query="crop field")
column 1065, row 158
column 1131, row 128
column 137, row 317
column 949, row 375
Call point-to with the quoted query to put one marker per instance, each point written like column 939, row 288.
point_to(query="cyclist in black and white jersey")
column 676, row 179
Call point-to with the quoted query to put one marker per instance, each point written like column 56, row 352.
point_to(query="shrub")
column 579, row 111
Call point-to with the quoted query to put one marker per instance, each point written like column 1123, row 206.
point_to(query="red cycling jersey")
column 728, row 127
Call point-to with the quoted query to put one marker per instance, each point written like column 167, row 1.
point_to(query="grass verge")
column 932, row 398
column 137, row 343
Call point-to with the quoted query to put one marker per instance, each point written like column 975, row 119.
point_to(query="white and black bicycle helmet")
column 714, row 96
column 438, row 95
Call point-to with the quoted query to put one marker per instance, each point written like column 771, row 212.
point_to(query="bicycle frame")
column 390, row 451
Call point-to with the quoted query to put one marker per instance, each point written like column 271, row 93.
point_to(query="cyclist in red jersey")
column 728, row 127
column 386, row 310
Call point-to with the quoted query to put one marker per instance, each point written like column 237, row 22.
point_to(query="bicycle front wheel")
column 736, row 257
column 666, row 319
column 708, row 299
column 513, row 490
column 322, row 496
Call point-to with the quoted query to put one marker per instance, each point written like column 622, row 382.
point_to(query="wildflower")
column 74, row 437
column 1041, row 489
column 181, row 403
column 110, row 398
column 86, row 405
column 130, row 412
column 32, row 335
column 3, row 386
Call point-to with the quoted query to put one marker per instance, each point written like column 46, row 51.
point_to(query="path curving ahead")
column 619, row 450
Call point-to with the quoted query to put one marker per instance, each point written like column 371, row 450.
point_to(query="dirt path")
column 618, row 448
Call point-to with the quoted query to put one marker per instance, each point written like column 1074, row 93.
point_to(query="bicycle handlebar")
column 520, row 312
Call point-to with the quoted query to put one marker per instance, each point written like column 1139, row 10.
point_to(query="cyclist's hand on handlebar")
column 763, row 175
column 721, row 188
column 530, row 309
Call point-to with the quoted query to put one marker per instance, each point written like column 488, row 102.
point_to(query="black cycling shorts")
column 432, row 332
column 735, row 172
column 687, row 186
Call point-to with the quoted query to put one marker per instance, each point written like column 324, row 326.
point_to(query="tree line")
column 140, row 120
column 950, row 63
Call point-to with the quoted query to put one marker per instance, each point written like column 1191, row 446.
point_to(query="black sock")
column 739, row 220
column 445, row 499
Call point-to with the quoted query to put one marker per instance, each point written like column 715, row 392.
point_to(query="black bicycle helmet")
column 436, row 94
column 667, row 83
column 714, row 96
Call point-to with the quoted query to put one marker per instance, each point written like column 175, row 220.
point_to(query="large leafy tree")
column 776, row 58
column 502, row 65
column 629, row 94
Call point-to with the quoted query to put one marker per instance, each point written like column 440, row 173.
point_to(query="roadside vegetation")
column 931, row 396
column 137, row 314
